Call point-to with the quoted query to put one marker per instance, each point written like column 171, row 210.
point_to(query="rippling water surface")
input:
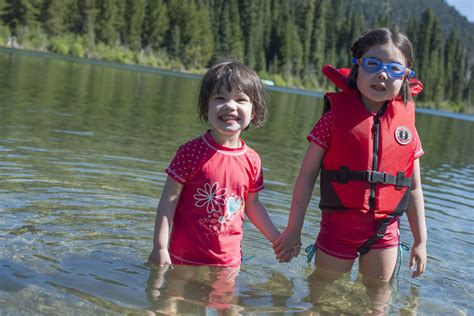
column 82, row 153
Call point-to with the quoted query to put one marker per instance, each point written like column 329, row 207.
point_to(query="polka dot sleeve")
column 182, row 166
column 321, row 132
column 418, row 148
column 257, row 179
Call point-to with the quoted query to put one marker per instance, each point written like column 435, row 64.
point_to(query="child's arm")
column 259, row 217
column 302, row 192
column 164, row 220
column 416, row 219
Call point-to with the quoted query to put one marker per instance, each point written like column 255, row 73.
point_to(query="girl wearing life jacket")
column 367, row 148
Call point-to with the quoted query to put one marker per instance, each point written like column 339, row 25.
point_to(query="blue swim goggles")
column 373, row 65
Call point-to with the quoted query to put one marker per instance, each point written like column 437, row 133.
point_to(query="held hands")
column 159, row 257
column 287, row 245
column 418, row 256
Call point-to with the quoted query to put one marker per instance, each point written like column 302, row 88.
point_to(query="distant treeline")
column 284, row 40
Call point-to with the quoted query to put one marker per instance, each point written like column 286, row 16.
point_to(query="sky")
column 465, row 7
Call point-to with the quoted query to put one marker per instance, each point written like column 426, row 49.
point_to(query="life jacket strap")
column 344, row 174
column 379, row 233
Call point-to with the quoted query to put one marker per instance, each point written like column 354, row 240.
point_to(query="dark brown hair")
column 234, row 76
column 382, row 36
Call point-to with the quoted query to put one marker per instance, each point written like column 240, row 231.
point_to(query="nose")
column 231, row 104
column 382, row 74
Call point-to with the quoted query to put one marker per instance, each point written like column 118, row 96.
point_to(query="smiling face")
column 377, row 88
column 229, row 113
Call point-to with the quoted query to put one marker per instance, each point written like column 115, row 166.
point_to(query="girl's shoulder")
column 250, row 152
column 193, row 150
column 253, row 159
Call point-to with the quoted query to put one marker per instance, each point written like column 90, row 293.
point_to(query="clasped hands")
column 287, row 246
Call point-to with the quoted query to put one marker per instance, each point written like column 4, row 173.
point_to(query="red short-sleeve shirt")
column 207, row 225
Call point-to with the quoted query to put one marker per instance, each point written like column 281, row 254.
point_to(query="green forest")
column 286, row 41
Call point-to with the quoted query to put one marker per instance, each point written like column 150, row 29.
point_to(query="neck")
column 372, row 107
column 231, row 140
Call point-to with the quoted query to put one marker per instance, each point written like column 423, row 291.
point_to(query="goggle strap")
column 357, row 61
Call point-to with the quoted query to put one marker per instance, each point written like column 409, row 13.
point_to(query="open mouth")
column 378, row 87
column 227, row 118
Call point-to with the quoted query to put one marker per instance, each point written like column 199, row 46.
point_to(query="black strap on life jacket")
column 344, row 174
column 379, row 233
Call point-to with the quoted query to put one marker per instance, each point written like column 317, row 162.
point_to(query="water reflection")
column 173, row 290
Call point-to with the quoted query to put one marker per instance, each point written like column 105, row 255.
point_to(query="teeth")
column 228, row 117
column 378, row 87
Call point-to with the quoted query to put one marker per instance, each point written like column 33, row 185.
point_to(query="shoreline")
column 190, row 75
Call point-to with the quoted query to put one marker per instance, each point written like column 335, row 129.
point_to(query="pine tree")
column 120, row 21
column 228, row 38
column 84, row 22
column 215, row 11
column 174, row 42
column 357, row 26
column 449, row 61
column 199, row 38
column 54, row 17
column 190, row 38
column 381, row 20
column 223, row 36
column 318, row 56
column 342, row 44
column 106, row 23
column 435, row 62
column 204, row 39
column 423, row 49
column 345, row 34
column 272, row 38
column 470, row 90
column 267, row 26
column 333, row 18
column 156, row 24
column 18, row 13
column 134, row 16
column 173, row 39
column 459, row 73
column 411, row 32
column 237, row 44
column 305, row 11
column 249, row 10
column 262, row 25
column 291, row 51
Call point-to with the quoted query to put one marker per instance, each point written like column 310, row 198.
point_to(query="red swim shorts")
column 341, row 233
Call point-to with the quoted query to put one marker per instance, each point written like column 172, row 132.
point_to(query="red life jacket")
column 369, row 163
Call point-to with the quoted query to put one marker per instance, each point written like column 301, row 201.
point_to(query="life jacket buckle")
column 382, row 228
column 400, row 179
column 343, row 174
column 376, row 176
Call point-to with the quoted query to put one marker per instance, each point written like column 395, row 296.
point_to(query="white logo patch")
column 403, row 135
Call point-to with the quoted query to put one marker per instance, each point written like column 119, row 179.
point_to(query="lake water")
column 83, row 147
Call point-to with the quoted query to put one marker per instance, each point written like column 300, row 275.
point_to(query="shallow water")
column 82, row 152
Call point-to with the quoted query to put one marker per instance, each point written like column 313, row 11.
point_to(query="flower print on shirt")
column 218, row 219
column 218, row 222
column 211, row 196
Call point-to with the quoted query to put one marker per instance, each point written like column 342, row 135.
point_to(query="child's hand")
column 418, row 256
column 287, row 245
column 155, row 282
column 159, row 257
